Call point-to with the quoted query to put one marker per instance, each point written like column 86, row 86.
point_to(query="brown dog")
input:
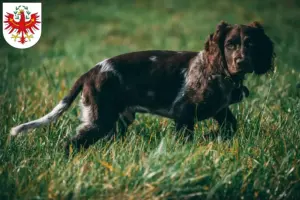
column 183, row 86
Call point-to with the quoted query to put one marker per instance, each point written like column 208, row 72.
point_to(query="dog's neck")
column 237, row 79
column 206, row 64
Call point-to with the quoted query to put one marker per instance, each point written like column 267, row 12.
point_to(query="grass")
column 261, row 162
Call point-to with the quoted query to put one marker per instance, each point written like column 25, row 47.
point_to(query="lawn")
column 262, row 161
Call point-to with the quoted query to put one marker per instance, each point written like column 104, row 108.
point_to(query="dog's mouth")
column 244, row 67
column 239, row 74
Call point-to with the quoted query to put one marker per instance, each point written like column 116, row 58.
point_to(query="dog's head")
column 241, row 48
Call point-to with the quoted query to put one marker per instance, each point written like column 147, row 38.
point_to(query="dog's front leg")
column 227, row 122
column 187, row 128
column 185, row 121
column 126, row 118
column 227, row 125
column 239, row 94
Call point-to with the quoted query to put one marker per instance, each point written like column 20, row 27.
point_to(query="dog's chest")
column 219, row 89
column 212, row 95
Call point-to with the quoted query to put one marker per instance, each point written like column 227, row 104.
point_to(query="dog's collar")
column 235, row 80
column 236, row 83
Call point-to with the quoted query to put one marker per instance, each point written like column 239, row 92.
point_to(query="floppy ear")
column 256, row 24
column 264, row 48
column 214, row 45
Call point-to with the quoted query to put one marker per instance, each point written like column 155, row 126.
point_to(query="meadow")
column 262, row 161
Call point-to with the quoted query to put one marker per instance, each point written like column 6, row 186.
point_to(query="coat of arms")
column 22, row 24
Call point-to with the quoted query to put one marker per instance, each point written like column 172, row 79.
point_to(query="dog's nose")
column 240, row 61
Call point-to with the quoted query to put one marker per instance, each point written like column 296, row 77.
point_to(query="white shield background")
column 33, row 8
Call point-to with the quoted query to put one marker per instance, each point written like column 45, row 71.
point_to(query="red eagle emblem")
column 24, row 26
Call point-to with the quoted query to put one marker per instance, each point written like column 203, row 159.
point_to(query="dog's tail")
column 57, row 111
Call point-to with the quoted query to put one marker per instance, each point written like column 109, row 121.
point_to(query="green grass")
column 261, row 162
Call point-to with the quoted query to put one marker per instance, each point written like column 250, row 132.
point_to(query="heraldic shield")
column 22, row 24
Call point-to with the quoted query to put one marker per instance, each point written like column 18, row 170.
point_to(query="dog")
column 181, row 85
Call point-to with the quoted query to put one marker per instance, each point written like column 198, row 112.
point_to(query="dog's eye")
column 249, row 44
column 230, row 46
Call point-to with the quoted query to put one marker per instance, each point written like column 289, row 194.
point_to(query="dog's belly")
column 163, row 112
column 201, row 109
column 204, row 113
column 213, row 102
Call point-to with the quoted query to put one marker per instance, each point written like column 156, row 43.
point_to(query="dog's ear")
column 264, row 50
column 214, row 45
column 256, row 24
column 218, row 37
column 220, row 33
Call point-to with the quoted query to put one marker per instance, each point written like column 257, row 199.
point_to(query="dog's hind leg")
column 185, row 122
column 100, row 125
column 100, row 111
